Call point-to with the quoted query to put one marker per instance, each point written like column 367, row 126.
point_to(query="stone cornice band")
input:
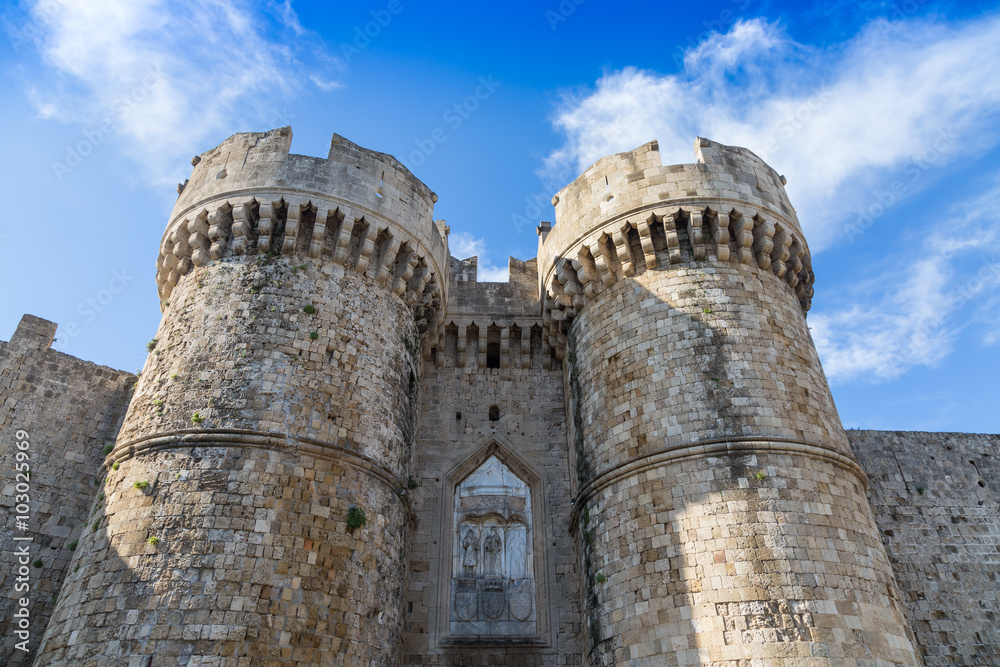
column 184, row 438
column 713, row 447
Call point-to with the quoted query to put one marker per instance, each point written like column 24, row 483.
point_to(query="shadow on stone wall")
column 721, row 516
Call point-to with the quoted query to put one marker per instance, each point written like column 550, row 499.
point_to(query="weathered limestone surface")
column 70, row 409
column 628, row 454
column 721, row 514
column 457, row 434
column 250, row 506
column 281, row 392
column 936, row 497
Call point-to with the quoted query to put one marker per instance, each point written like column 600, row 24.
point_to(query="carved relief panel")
column 493, row 581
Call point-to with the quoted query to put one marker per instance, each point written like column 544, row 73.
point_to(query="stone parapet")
column 627, row 213
column 357, row 208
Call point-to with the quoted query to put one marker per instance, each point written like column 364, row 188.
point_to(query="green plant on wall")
column 355, row 518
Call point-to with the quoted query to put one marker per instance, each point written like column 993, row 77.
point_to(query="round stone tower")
column 254, row 509
column 721, row 516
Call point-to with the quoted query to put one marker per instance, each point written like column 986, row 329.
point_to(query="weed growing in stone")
column 72, row 545
column 314, row 335
column 142, row 484
column 309, row 309
column 197, row 418
column 153, row 540
column 355, row 518
column 151, row 345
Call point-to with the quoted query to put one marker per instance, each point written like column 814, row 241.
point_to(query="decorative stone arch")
column 486, row 595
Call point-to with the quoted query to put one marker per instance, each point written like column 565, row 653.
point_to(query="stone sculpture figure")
column 470, row 552
column 516, row 552
column 492, row 547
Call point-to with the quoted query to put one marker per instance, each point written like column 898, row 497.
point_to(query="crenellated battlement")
column 624, row 183
column 493, row 322
column 357, row 208
column 368, row 180
column 629, row 213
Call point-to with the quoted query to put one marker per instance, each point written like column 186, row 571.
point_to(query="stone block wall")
column 677, row 295
column 70, row 409
column 722, row 515
column 527, row 431
column 936, row 500
column 256, row 425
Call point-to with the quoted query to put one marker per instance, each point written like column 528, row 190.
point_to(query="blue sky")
column 883, row 116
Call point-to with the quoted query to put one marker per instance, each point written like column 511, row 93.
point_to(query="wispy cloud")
column 464, row 245
column 168, row 75
column 912, row 311
column 839, row 121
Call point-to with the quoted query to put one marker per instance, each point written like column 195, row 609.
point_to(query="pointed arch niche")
column 494, row 566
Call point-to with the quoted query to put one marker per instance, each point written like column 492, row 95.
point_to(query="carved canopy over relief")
column 493, row 581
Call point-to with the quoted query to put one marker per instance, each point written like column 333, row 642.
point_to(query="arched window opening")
column 493, row 347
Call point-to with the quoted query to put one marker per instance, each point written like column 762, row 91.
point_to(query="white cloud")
column 839, row 122
column 325, row 84
column 165, row 75
column 287, row 16
column 912, row 312
column 463, row 245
